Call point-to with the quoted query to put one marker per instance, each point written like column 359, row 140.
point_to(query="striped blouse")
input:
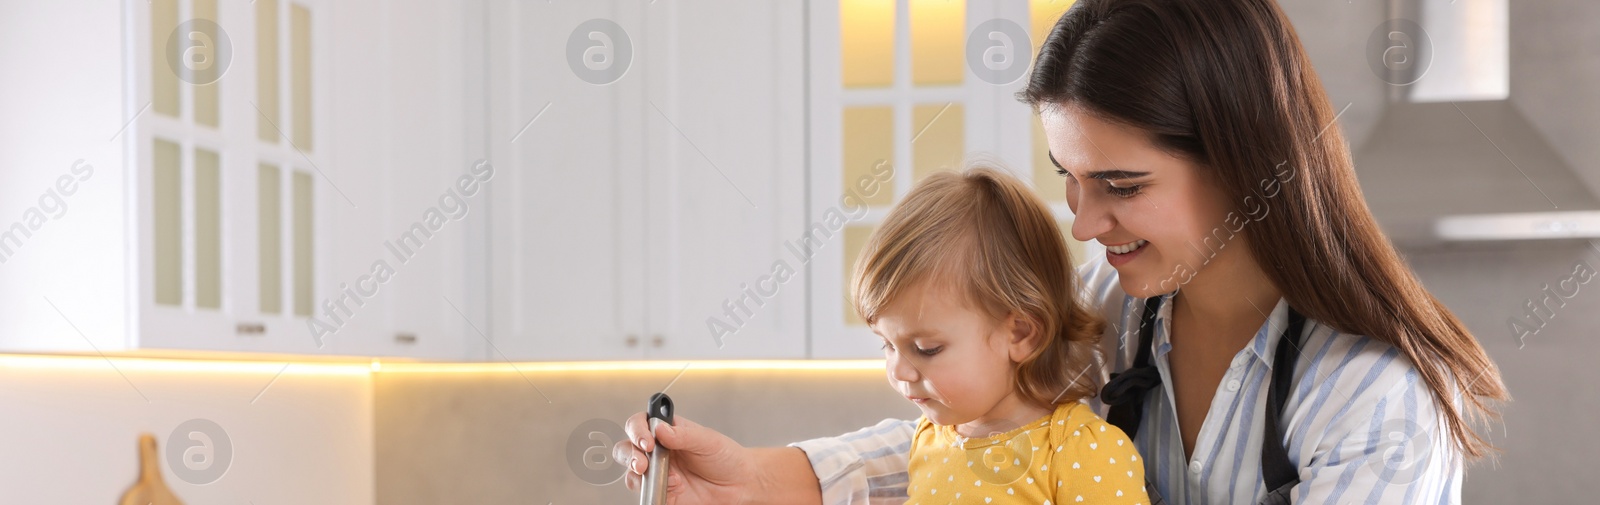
column 1360, row 424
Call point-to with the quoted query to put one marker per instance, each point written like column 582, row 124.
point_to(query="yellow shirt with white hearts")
column 1070, row 456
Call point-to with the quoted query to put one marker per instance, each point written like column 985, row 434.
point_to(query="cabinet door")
column 297, row 202
column 407, row 156
column 436, row 313
column 364, row 217
column 65, row 246
column 567, row 201
column 724, row 171
column 232, row 202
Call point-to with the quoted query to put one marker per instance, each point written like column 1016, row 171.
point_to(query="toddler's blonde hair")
column 981, row 232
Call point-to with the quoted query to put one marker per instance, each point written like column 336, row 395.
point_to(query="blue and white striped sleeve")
column 1386, row 445
column 864, row 467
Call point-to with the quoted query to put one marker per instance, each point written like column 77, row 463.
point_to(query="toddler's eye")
column 929, row 352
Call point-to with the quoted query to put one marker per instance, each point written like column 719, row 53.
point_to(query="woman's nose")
column 1090, row 219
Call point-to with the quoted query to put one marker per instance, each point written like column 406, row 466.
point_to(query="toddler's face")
column 950, row 358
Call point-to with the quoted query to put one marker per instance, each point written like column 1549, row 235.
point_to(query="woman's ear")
column 1024, row 336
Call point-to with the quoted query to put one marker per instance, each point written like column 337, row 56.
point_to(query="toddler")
column 969, row 283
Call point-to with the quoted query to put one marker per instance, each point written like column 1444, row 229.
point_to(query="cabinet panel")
column 228, row 184
column 724, row 168
column 228, row 213
column 400, row 249
column 63, row 245
column 566, row 244
column 427, row 161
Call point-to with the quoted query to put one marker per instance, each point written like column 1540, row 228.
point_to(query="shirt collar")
column 1262, row 345
column 1162, row 341
column 1271, row 331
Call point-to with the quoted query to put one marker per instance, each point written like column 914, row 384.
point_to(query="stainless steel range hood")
column 1470, row 171
column 1453, row 158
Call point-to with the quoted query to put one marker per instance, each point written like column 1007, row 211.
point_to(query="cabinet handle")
column 656, row 340
column 251, row 329
column 633, row 340
column 405, row 338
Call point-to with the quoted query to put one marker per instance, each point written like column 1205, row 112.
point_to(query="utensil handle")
column 653, row 489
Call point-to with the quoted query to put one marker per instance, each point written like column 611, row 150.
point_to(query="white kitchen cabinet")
column 633, row 209
column 174, row 227
column 406, row 148
column 567, row 205
column 725, row 174
column 65, row 245
column 222, row 216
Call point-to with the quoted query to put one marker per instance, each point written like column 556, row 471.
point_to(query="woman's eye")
column 1123, row 191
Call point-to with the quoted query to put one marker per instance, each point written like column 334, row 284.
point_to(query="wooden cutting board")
column 149, row 489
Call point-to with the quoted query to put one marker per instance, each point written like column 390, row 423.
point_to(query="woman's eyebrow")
column 1104, row 175
column 1113, row 175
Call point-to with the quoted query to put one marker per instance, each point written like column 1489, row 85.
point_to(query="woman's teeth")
column 1127, row 248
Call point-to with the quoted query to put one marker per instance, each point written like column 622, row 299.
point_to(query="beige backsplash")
column 491, row 437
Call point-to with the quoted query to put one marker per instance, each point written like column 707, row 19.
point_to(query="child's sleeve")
column 1097, row 463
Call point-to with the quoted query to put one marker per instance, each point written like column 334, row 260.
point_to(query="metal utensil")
column 653, row 489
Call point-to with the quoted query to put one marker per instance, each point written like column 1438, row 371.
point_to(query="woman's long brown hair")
column 1226, row 83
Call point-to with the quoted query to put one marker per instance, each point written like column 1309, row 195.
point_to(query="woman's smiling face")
column 1155, row 208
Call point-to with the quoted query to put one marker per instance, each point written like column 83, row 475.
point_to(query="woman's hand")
column 708, row 467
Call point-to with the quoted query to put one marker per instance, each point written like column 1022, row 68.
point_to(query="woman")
column 1199, row 147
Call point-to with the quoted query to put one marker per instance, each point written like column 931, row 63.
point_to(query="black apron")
column 1125, row 395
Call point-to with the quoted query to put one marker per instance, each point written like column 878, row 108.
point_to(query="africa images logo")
column 199, row 451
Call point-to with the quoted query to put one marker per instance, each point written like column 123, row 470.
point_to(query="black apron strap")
column 1124, row 393
column 1276, row 468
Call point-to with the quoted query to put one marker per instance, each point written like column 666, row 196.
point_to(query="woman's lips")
column 1118, row 259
